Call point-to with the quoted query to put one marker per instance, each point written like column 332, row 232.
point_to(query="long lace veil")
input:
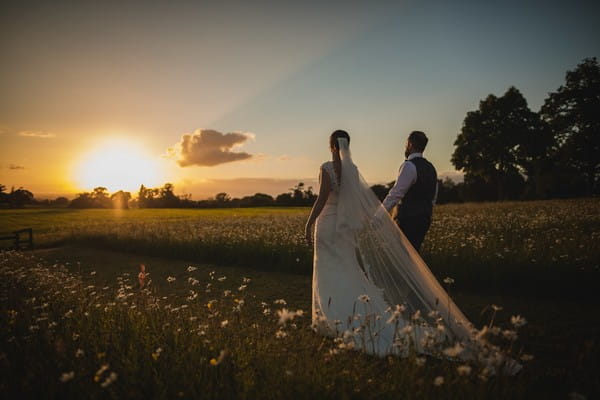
column 386, row 256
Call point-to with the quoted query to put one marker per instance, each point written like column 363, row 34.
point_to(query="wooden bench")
column 18, row 241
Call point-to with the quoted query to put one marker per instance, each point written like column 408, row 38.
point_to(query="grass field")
column 537, row 259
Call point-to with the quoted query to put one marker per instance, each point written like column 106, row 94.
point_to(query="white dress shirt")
column 407, row 176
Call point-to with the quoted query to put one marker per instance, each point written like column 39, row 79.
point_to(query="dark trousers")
column 415, row 228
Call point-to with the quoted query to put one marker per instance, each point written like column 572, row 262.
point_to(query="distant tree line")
column 165, row 197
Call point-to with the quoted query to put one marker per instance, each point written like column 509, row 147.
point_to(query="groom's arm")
column 407, row 176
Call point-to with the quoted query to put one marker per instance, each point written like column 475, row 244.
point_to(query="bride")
column 371, row 290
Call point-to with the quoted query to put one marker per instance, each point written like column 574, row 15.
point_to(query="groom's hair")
column 419, row 140
column 333, row 139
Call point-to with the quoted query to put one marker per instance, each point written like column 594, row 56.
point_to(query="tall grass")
column 484, row 247
column 67, row 335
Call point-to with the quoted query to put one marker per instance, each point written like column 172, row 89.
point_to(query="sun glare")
column 117, row 165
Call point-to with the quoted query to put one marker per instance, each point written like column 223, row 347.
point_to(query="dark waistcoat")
column 419, row 198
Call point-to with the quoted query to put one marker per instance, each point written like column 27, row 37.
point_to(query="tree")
column 3, row 194
column 60, row 201
column 168, row 197
column 83, row 200
column 573, row 116
column 450, row 191
column 100, row 197
column 120, row 199
column 146, row 197
column 257, row 200
column 18, row 198
column 381, row 191
column 222, row 198
column 494, row 145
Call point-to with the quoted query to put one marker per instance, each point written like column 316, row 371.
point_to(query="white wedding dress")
column 371, row 290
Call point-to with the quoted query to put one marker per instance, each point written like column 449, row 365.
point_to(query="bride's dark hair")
column 333, row 139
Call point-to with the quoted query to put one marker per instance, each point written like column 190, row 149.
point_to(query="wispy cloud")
column 207, row 148
column 37, row 134
column 15, row 166
column 455, row 176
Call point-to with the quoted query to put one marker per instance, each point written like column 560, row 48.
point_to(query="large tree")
column 573, row 115
column 18, row 198
column 496, row 145
column 120, row 199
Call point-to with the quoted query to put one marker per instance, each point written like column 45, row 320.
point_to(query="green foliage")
column 510, row 152
column 572, row 113
column 494, row 142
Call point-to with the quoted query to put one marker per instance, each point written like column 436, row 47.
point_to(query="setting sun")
column 116, row 165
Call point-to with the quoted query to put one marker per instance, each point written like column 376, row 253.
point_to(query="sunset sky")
column 241, row 96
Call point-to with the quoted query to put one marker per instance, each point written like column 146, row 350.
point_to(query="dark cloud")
column 15, row 166
column 207, row 147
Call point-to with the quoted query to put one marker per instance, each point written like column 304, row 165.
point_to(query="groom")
column 416, row 187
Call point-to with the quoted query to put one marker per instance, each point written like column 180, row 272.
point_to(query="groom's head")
column 416, row 143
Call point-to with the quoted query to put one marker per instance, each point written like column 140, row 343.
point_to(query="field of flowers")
column 485, row 246
column 223, row 309
column 204, row 334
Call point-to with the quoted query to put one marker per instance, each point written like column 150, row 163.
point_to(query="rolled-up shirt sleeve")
column 407, row 176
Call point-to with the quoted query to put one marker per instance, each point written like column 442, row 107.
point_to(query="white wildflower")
column 67, row 376
column 454, row 351
column 526, row 357
column 364, row 298
column 464, row 370
column 517, row 321
column 285, row 315
column 109, row 380
column 280, row 334
column 510, row 334
column 416, row 315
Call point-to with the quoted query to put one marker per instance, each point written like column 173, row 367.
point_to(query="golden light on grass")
column 117, row 165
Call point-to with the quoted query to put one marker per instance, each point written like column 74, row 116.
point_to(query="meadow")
column 74, row 320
